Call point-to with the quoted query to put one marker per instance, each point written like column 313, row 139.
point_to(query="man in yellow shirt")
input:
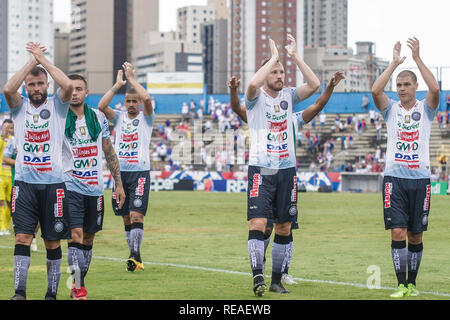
column 5, row 179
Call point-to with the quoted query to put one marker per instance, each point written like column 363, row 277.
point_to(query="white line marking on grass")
column 185, row 266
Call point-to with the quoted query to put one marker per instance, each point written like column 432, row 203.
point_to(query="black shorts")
column 272, row 194
column 44, row 203
column 137, row 188
column 406, row 203
column 86, row 212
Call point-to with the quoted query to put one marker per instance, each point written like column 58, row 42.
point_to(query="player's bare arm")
column 113, row 165
column 12, row 96
column 147, row 101
column 258, row 79
column 323, row 99
column 379, row 97
column 9, row 161
column 235, row 104
column 312, row 82
column 57, row 75
column 433, row 95
column 103, row 105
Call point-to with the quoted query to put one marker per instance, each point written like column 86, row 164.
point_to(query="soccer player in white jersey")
column 86, row 135
column 133, row 132
column 39, row 192
column 271, row 173
column 407, row 189
column 300, row 119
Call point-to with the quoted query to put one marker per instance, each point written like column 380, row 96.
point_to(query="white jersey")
column 132, row 141
column 84, row 175
column 272, row 131
column 407, row 154
column 39, row 136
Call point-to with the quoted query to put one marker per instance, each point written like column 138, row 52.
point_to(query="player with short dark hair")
column 307, row 115
column 86, row 135
column 133, row 132
column 39, row 191
column 407, row 188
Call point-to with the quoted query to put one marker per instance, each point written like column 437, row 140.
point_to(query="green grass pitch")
column 195, row 247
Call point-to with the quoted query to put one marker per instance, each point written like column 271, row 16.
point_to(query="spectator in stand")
column 378, row 127
column 337, row 122
column 185, row 111
column 200, row 114
column 192, row 108
column 348, row 124
column 350, row 141
column 447, row 118
column 168, row 130
column 372, row 117
column 447, row 100
column 365, row 102
column 439, row 119
column 299, row 137
column 322, row 119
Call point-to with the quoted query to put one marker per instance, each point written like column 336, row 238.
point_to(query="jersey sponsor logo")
column 414, row 158
column 408, row 136
column 407, row 118
column 414, row 126
column 140, row 187
column 294, row 191
column 83, row 131
column 275, row 117
column 32, row 126
column 387, row 194
column 99, row 204
column 130, row 157
column 36, row 148
column 257, row 181
column 37, row 161
column 85, row 152
column 15, row 194
column 277, row 137
column 86, row 177
column 59, row 203
column 426, row 203
column 407, row 147
column 277, row 148
column 128, row 146
column 278, row 126
column 85, row 163
column 37, row 137
column 130, row 137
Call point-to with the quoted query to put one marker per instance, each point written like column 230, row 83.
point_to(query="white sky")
column 381, row 21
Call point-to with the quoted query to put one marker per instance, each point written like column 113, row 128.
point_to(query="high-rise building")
column 251, row 24
column 325, row 23
column 22, row 21
column 104, row 34
column 62, row 34
column 190, row 19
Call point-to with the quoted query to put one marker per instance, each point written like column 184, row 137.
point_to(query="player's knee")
column 258, row 224
column 77, row 235
column 283, row 229
column 398, row 234
column 88, row 239
column 24, row 239
column 136, row 217
column 268, row 231
column 127, row 220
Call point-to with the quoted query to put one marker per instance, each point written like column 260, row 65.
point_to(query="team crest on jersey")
column 45, row 114
column 135, row 122
column 416, row 116
column 284, row 105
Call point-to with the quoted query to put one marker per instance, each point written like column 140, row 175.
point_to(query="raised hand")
column 397, row 51
column 129, row 71
column 336, row 78
column 273, row 49
column 36, row 50
column 119, row 79
column 291, row 47
column 414, row 45
column 233, row 83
